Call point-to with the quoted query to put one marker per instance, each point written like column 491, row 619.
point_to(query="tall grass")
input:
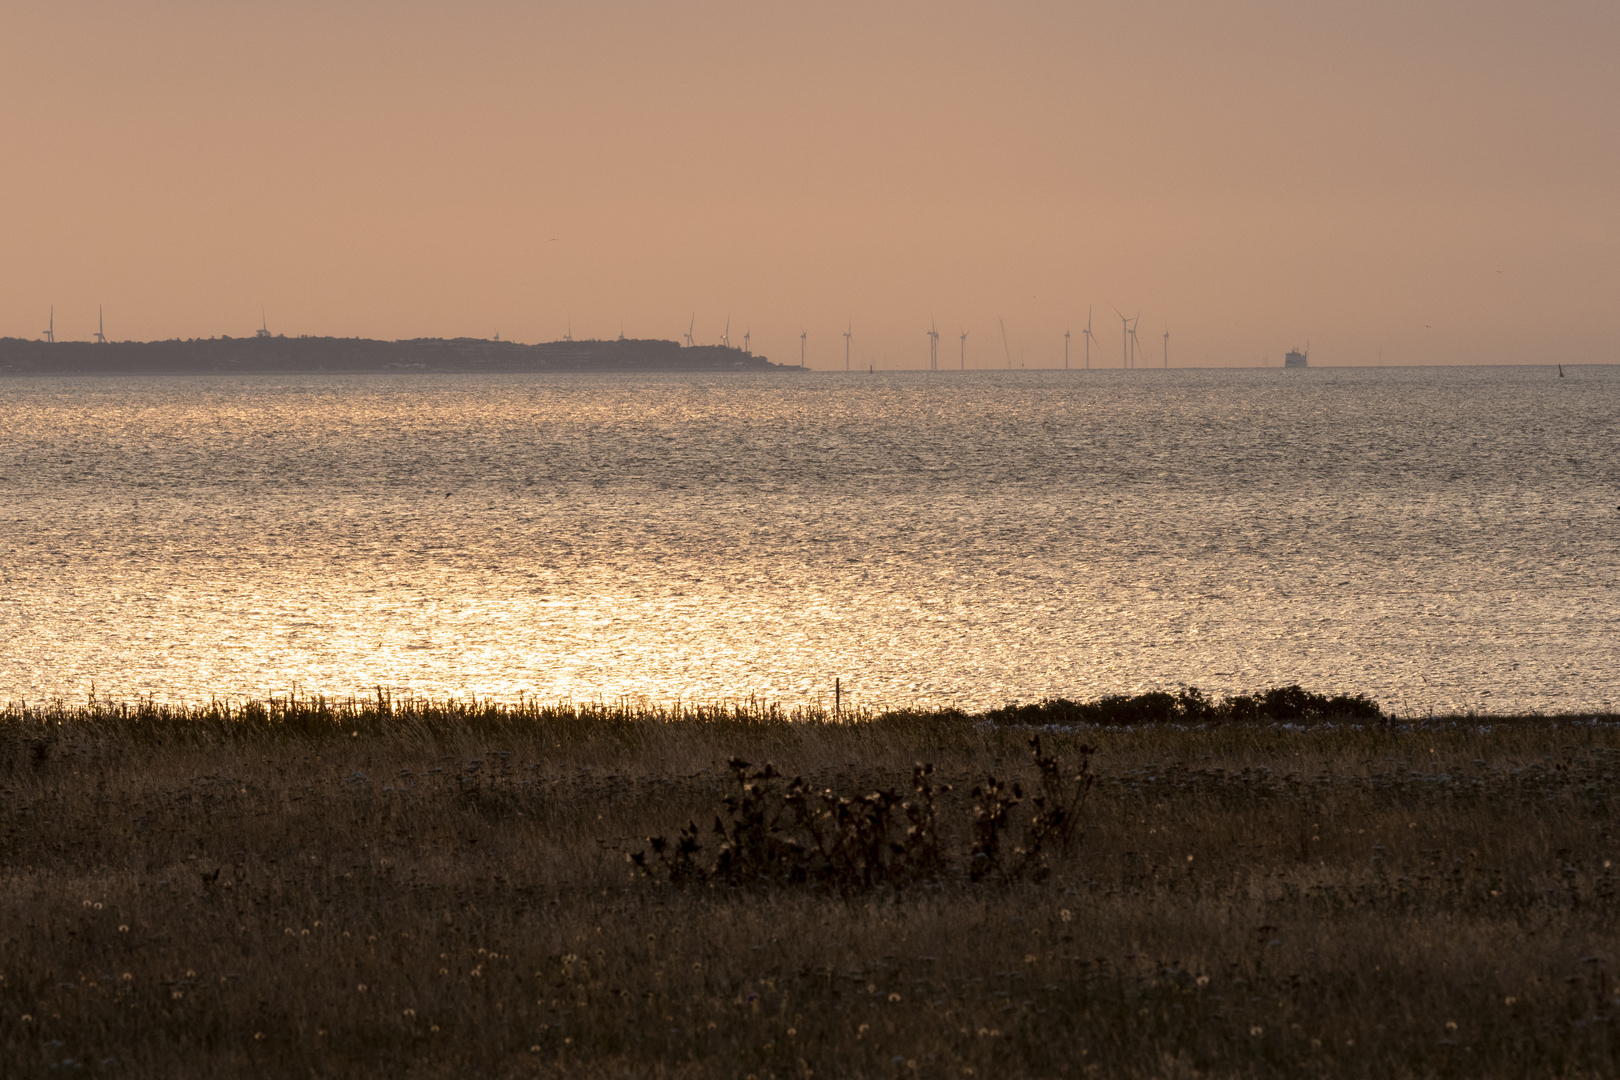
column 383, row 887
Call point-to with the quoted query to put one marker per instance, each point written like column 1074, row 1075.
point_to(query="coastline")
column 352, row 355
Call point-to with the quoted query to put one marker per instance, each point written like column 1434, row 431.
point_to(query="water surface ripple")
column 1437, row 537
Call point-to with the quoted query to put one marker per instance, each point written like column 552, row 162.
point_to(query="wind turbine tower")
column 725, row 338
column 964, row 350
column 1004, row 346
column 101, row 326
column 1090, row 337
column 1135, row 341
column 1065, row 350
column 1167, row 347
column 933, row 346
column 1124, row 339
column 689, row 327
column 50, row 330
column 848, row 333
column 264, row 324
column 747, row 348
column 803, row 334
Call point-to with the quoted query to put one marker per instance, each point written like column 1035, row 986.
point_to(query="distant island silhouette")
column 262, row 352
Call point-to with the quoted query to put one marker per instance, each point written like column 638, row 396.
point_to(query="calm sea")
column 1439, row 538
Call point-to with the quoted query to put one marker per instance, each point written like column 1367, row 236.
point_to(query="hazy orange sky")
column 1436, row 180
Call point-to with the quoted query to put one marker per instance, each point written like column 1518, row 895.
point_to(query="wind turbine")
column 1167, row 347
column 747, row 337
column 1135, row 341
column 1090, row 338
column 848, row 333
column 689, row 327
column 725, row 338
column 50, row 331
column 964, row 350
column 1065, row 350
column 1004, row 347
column 933, row 346
column 101, row 325
column 1124, row 339
column 803, row 334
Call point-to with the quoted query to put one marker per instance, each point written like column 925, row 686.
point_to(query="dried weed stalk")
column 773, row 833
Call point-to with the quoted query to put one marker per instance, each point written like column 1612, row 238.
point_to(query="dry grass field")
column 424, row 890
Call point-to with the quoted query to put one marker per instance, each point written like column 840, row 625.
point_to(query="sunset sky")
column 1429, row 182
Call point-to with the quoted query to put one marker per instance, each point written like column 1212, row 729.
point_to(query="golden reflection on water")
column 1435, row 537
